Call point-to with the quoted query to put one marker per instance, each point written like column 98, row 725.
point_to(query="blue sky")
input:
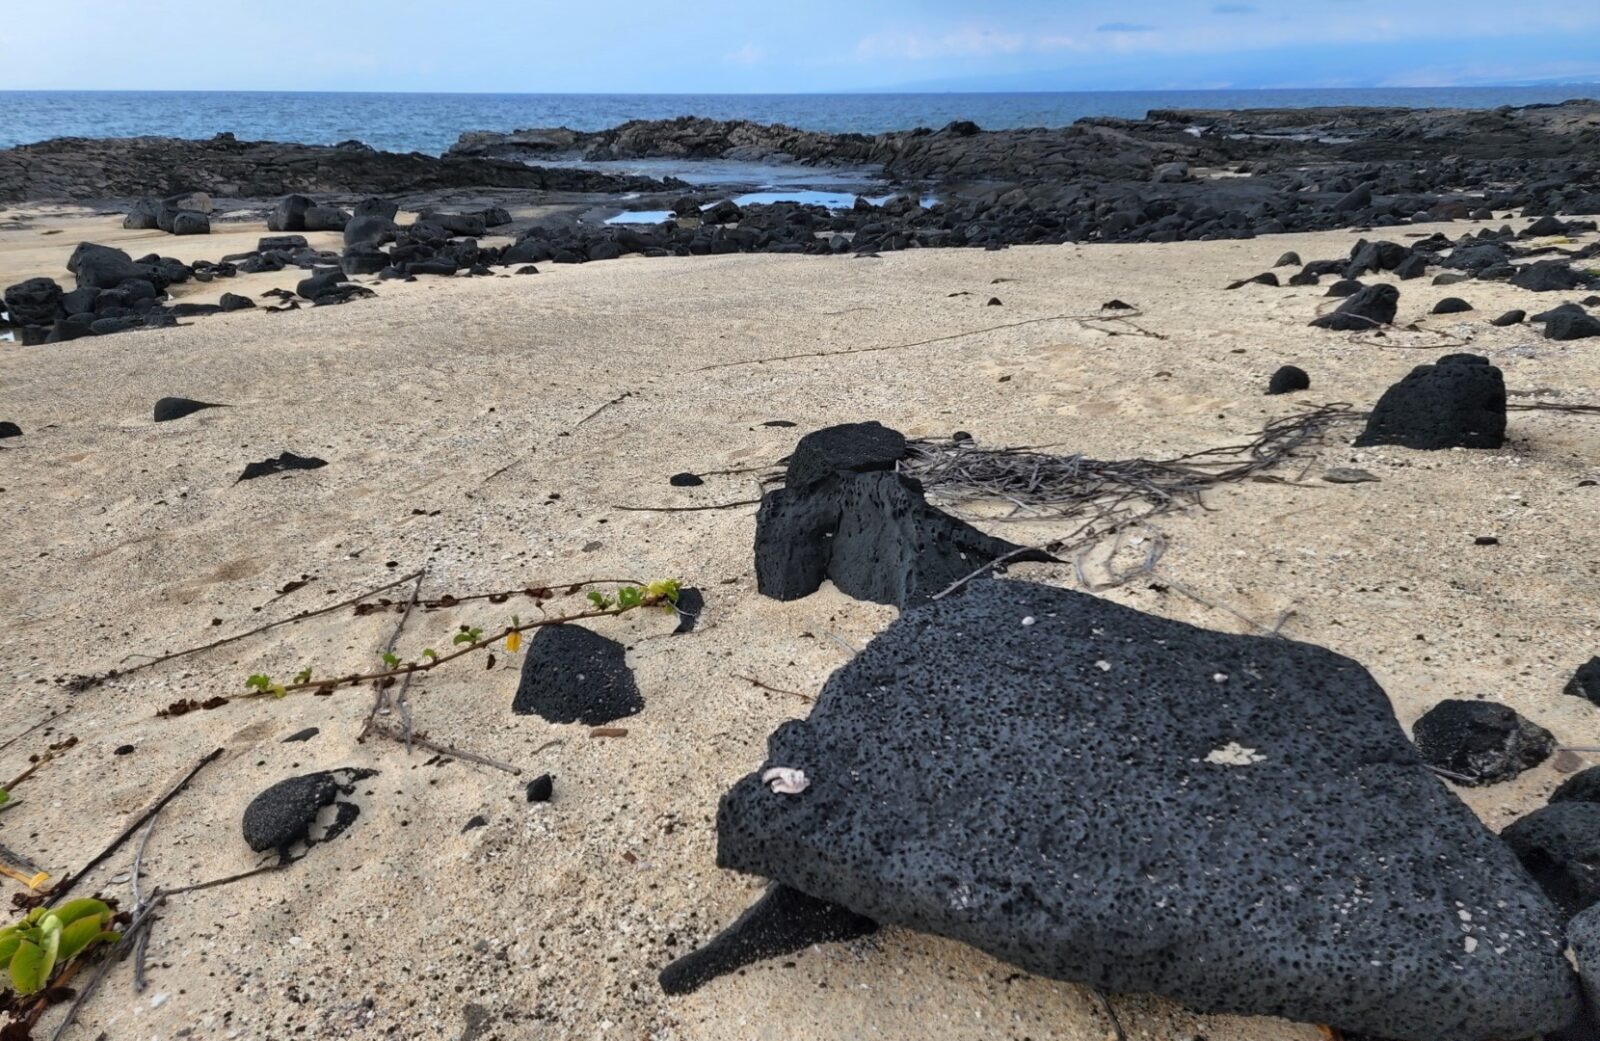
column 815, row 45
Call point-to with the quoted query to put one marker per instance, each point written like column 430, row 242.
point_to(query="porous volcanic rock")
column 1457, row 402
column 1100, row 795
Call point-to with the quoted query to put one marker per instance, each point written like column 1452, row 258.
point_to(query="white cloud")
column 749, row 54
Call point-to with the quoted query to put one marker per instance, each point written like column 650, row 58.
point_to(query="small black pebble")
column 1116, row 305
column 778, row 423
column 994, row 301
column 541, row 788
column 477, row 822
column 1288, row 379
column 125, row 750
column 961, row 435
column 1486, row 540
column 303, row 735
column 685, row 480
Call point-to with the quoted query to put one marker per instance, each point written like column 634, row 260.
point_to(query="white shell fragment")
column 1234, row 754
column 784, row 780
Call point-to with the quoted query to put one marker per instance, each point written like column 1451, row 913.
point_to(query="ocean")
column 431, row 122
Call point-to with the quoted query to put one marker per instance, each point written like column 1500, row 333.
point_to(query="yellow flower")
column 513, row 642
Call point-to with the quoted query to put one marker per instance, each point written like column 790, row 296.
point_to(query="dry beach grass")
column 453, row 417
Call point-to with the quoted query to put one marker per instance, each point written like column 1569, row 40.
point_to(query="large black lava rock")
column 1104, row 796
column 1583, row 932
column 282, row 815
column 1559, row 844
column 1583, row 786
column 574, row 675
column 855, row 447
column 9, row 429
column 873, row 534
column 34, row 302
column 1458, row 402
column 1571, row 325
column 1548, row 276
column 1369, row 308
column 1480, row 742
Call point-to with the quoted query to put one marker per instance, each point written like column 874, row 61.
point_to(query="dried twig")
column 408, row 738
column 687, row 509
column 82, row 683
column 52, row 717
column 60, row 889
column 776, row 690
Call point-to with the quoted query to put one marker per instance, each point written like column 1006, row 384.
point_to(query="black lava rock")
column 9, row 429
column 1512, row 317
column 1566, row 325
column 168, row 409
column 1559, row 844
column 188, row 222
column 1583, row 932
column 1458, row 402
column 235, row 302
column 690, row 603
column 1451, row 305
column 575, row 675
column 1290, row 259
column 289, row 214
column 1288, row 379
column 1583, row 786
column 1548, row 276
column 1345, row 287
column 1585, row 683
column 478, row 821
column 873, row 534
column 1480, row 741
column 686, row 480
column 35, row 302
column 971, row 774
column 286, row 461
column 783, row 921
column 853, row 447
column 541, row 788
column 282, row 815
column 301, row 735
column 1371, row 307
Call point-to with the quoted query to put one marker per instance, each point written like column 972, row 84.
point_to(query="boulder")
column 852, row 447
column 1568, row 325
column 324, row 218
column 1108, row 797
column 375, row 207
column 1583, row 786
column 1480, row 742
column 190, row 222
column 105, row 268
column 38, row 301
column 235, row 302
column 1548, row 276
column 1583, row 932
column 289, row 214
column 575, row 675
column 363, row 261
column 873, row 535
column 1368, row 308
column 1451, row 305
column 143, row 216
column 1511, row 317
column 1289, row 259
column 282, row 243
column 369, row 230
column 1559, row 845
column 1458, row 402
column 1170, row 173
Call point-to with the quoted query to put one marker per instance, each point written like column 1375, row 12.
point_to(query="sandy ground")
column 458, row 419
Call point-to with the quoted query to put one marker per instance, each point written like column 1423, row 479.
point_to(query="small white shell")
column 784, row 780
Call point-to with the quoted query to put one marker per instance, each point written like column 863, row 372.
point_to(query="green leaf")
column 10, row 940
column 5, row 796
column 303, row 676
column 429, row 652
column 599, row 599
column 461, row 638
column 28, row 972
column 391, row 659
column 83, row 907
column 78, row 936
column 260, row 681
